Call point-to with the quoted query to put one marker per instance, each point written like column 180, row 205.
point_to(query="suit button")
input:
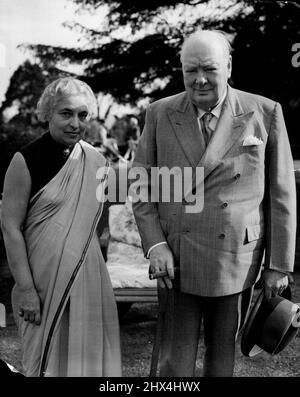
column 237, row 176
column 222, row 236
column 224, row 205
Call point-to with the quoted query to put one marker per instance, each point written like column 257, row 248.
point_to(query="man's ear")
column 229, row 66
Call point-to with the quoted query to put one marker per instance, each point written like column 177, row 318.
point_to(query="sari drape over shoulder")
column 79, row 331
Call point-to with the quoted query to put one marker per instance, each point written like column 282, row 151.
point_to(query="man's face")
column 206, row 69
column 69, row 119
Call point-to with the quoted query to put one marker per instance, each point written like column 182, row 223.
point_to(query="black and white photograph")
column 149, row 190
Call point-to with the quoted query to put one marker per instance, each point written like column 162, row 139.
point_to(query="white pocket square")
column 251, row 140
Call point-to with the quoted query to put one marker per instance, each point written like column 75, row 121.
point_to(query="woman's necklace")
column 66, row 152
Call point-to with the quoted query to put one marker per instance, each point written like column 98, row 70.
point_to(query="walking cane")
column 166, row 298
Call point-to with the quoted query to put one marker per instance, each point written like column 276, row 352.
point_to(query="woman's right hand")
column 29, row 305
column 16, row 196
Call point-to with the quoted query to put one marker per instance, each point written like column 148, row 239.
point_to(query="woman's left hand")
column 29, row 306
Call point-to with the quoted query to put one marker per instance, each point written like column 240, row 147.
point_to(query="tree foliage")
column 133, row 13
column 263, row 54
column 134, row 53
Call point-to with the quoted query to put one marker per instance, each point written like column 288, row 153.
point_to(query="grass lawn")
column 137, row 334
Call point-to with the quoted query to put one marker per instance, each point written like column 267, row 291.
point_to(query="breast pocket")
column 252, row 149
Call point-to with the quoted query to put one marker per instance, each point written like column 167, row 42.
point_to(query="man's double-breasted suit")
column 249, row 209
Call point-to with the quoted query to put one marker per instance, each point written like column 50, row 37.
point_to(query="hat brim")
column 248, row 345
column 264, row 312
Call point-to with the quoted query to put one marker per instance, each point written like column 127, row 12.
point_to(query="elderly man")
column 240, row 142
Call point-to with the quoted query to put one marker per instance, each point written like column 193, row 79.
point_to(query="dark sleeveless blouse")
column 44, row 158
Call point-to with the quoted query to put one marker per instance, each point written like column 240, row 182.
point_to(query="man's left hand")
column 274, row 282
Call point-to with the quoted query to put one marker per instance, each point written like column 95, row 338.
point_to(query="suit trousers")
column 183, row 314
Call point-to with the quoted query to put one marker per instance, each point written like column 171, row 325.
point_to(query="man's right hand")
column 161, row 259
column 29, row 305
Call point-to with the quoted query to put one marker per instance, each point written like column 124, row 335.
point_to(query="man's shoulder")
column 169, row 101
column 250, row 100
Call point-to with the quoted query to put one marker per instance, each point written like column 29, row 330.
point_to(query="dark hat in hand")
column 271, row 325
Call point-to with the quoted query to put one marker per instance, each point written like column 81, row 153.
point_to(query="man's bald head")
column 214, row 37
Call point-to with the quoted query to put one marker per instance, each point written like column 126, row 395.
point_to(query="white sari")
column 79, row 331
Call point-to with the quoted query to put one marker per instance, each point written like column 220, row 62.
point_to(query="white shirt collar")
column 216, row 111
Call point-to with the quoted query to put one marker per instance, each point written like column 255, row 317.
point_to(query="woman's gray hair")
column 64, row 87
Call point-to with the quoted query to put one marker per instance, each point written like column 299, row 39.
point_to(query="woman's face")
column 69, row 119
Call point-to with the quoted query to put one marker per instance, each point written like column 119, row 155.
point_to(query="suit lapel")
column 186, row 128
column 231, row 124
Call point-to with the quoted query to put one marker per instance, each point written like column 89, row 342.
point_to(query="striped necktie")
column 206, row 130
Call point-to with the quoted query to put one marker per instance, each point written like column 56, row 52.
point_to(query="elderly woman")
column 63, row 299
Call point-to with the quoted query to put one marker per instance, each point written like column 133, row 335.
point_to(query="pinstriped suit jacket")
column 249, row 192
